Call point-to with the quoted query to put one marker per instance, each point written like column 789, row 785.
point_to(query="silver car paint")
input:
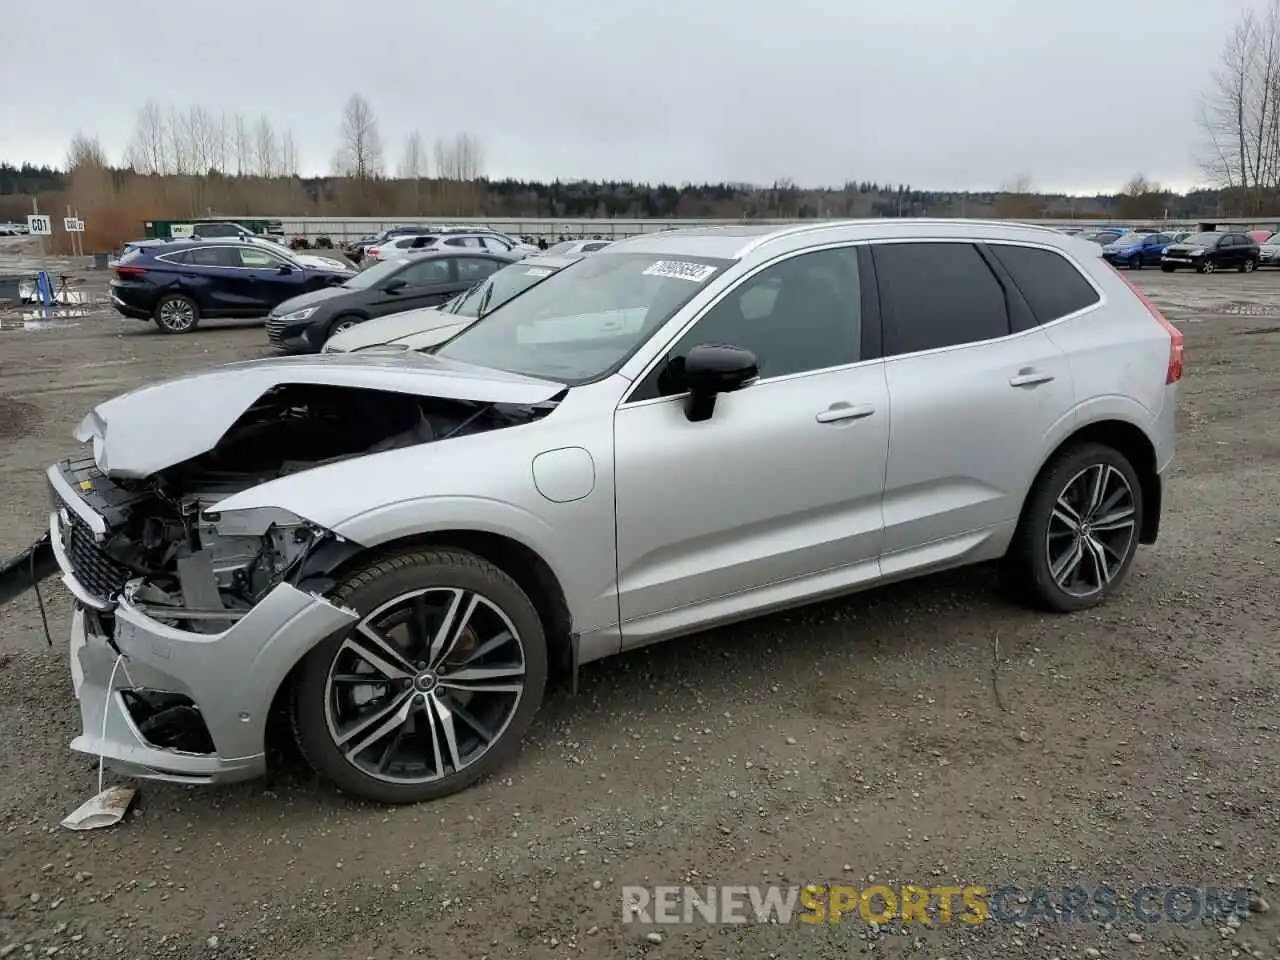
column 683, row 525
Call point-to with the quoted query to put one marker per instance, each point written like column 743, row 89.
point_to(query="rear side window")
column 1050, row 283
column 937, row 295
column 214, row 256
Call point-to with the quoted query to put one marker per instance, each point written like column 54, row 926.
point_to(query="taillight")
column 1174, row 371
column 130, row 271
column 371, row 252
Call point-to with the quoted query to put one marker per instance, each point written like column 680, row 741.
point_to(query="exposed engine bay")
column 184, row 563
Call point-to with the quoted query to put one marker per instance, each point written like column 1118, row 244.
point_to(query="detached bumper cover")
column 231, row 677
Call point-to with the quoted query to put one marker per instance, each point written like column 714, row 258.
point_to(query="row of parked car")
column 1204, row 252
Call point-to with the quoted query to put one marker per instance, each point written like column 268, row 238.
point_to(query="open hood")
column 154, row 427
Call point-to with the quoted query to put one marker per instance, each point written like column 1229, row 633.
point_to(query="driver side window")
column 802, row 314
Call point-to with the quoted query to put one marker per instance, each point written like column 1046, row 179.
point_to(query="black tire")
column 1207, row 267
column 1167, row 268
column 1135, row 262
column 1025, row 568
column 366, row 590
column 176, row 313
column 342, row 323
column 1249, row 266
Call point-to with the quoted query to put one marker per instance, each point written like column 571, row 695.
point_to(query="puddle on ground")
column 50, row 319
column 27, row 294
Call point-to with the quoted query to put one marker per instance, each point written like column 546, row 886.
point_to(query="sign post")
column 75, row 227
column 39, row 225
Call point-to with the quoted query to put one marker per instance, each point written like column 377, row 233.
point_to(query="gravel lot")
column 880, row 736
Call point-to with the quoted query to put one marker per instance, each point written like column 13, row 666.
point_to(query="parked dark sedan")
column 179, row 283
column 1207, row 252
column 303, row 324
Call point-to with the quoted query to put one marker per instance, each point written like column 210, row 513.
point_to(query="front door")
column 776, row 497
column 426, row 284
column 976, row 388
column 268, row 286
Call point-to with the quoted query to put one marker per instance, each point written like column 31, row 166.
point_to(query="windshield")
column 1202, row 239
column 380, row 271
column 498, row 289
column 586, row 319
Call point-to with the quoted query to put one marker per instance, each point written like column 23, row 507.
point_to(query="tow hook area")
column 20, row 573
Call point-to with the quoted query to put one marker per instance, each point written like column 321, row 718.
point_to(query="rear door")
column 213, row 276
column 975, row 387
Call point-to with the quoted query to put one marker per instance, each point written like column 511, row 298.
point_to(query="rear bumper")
column 129, row 310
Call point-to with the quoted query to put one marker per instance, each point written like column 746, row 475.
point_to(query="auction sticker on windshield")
column 681, row 269
column 539, row 272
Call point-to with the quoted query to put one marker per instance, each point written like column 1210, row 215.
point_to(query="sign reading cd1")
column 39, row 225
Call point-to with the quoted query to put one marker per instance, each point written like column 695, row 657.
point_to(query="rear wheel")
column 1249, row 266
column 176, row 313
column 1135, row 262
column 433, row 687
column 1079, row 530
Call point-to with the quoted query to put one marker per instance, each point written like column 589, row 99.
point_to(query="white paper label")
column 538, row 272
column 681, row 270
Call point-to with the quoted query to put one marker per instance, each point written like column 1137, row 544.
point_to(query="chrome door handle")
column 845, row 411
column 1030, row 379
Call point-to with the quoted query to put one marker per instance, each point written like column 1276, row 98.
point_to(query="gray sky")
column 945, row 94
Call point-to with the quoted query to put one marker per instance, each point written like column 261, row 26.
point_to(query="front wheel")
column 1168, row 267
column 1135, row 262
column 176, row 313
column 1206, row 267
column 432, row 688
column 1079, row 530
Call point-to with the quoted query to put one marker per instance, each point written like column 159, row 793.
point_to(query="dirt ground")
column 886, row 736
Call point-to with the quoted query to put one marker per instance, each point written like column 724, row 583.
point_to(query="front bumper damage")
column 158, row 702
column 229, row 679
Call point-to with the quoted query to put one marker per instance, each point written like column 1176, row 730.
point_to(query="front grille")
column 275, row 329
column 102, row 575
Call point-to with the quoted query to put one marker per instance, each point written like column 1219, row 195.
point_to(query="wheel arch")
column 1133, row 442
column 519, row 561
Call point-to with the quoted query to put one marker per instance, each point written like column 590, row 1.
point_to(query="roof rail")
column 792, row 230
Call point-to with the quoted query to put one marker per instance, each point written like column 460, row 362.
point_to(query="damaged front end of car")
column 188, row 617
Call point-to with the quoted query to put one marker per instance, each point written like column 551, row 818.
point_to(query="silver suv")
column 685, row 429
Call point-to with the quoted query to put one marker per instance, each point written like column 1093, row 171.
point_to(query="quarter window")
column 937, row 295
column 1050, row 283
column 802, row 314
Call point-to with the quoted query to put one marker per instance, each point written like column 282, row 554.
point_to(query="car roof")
column 456, row 252
column 741, row 240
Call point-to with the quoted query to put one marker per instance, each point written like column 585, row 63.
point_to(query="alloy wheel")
column 1091, row 530
column 1208, row 267
column 343, row 325
column 1249, row 266
column 177, row 315
column 424, row 685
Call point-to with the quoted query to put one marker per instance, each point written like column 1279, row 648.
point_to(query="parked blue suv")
column 1136, row 250
column 180, row 283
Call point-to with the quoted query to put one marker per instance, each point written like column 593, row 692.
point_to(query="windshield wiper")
column 484, row 300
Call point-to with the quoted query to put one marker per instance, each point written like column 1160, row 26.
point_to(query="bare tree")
column 359, row 153
column 413, row 165
column 288, row 155
column 219, row 143
column 1240, row 113
column 241, row 145
column 148, row 150
column 460, row 158
column 199, row 135
column 266, row 149
column 85, row 152
column 1017, row 200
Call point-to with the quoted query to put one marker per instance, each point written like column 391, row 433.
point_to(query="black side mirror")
column 395, row 286
column 709, row 370
column 285, row 268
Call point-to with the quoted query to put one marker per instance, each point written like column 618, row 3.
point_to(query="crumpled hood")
column 156, row 426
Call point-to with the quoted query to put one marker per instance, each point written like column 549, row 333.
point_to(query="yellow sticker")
column 86, row 485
